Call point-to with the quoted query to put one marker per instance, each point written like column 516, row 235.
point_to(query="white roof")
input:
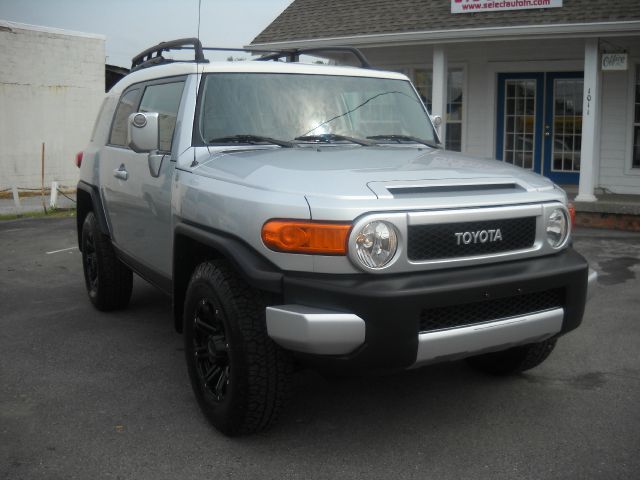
column 249, row 66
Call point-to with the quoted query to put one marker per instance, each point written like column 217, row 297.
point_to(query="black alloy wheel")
column 211, row 349
column 109, row 281
column 90, row 264
column 239, row 376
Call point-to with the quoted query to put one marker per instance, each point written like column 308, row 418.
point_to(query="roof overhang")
column 462, row 35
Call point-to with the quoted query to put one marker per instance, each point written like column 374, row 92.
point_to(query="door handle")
column 121, row 172
column 547, row 130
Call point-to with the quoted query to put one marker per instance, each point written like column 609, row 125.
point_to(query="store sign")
column 472, row 6
column 614, row 61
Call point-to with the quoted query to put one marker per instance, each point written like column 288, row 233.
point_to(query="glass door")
column 519, row 125
column 539, row 124
column 563, row 127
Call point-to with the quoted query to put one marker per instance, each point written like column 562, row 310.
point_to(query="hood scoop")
column 439, row 189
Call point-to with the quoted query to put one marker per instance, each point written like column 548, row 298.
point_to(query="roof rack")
column 153, row 56
column 146, row 58
column 293, row 55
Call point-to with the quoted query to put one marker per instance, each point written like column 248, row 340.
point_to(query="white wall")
column 616, row 135
column 51, row 88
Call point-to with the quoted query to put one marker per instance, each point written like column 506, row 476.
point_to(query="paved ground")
column 91, row 395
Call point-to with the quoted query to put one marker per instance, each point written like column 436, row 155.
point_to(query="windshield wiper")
column 252, row 139
column 404, row 138
column 330, row 137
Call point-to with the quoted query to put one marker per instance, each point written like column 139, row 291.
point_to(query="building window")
column 635, row 159
column 423, row 80
column 454, row 110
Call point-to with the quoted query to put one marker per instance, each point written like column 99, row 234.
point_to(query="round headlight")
column 376, row 244
column 557, row 228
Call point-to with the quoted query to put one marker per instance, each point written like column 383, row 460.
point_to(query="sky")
column 134, row 25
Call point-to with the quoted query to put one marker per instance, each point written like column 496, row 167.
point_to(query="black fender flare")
column 96, row 206
column 252, row 267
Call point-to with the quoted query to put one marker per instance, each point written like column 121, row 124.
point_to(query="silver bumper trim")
column 592, row 280
column 312, row 330
column 466, row 341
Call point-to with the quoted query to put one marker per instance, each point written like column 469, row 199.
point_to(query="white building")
column 51, row 87
column 514, row 80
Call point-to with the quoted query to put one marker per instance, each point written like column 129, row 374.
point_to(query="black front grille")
column 454, row 240
column 453, row 316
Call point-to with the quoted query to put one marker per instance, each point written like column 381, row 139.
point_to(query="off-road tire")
column 226, row 342
column 513, row 360
column 109, row 282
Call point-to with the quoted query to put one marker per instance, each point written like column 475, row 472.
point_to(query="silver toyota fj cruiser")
column 304, row 213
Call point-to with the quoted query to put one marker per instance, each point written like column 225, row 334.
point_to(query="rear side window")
column 164, row 98
column 126, row 106
column 98, row 118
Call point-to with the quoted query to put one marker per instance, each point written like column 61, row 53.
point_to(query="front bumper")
column 592, row 279
column 373, row 322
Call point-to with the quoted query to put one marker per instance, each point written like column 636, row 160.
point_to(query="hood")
column 353, row 172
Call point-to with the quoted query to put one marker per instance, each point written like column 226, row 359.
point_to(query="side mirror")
column 142, row 132
column 437, row 120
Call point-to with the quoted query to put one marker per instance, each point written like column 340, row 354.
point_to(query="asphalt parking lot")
column 85, row 394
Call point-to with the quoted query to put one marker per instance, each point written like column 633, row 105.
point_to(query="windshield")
column 255, row 107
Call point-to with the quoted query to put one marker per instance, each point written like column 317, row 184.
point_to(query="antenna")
column 199, row 12
column 194, row 163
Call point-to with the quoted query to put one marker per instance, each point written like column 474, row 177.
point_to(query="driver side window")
column 163, row 98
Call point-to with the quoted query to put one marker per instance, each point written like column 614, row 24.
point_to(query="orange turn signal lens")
column 295, row 236
column 572, row 214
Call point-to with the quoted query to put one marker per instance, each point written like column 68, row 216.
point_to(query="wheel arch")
column 194, row 244
column 88, row 200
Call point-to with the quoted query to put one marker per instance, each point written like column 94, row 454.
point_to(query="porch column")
column 590, row 152
column 439, row 92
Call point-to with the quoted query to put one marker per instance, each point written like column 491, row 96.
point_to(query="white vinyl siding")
column 616, row 142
